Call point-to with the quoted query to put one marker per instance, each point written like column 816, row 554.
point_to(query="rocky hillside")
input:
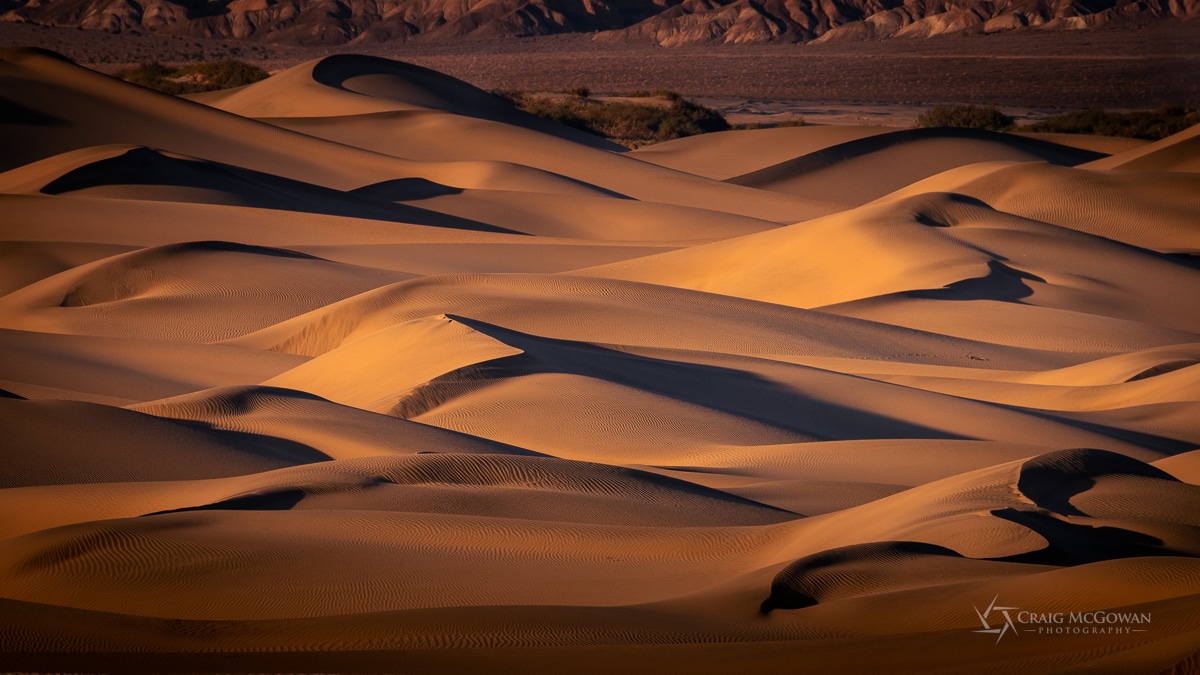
column 665, row 22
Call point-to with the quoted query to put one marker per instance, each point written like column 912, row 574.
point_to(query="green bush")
column 631, row 124
column 193, row 78
column 1148, row 124
column 966, row 117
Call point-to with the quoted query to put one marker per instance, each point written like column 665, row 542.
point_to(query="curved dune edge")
column 864, row 169
column 1174, row 153
column 1147, row 209
column 360, row 369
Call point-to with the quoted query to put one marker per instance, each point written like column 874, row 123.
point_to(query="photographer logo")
column 1001, row 620
column 999, row 616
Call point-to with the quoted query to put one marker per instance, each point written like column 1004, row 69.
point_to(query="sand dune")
column 1148, row 209
column 454, row 483
column 119, row 172
column 726, row 155
column 598, row 219
column 410, row 113
column 1182, row 466
column 359, row 369
column 1174, row 153
column 401, row 247
column 196, row 292
column 28, row 261
column 125, row 370
column 928, row 248
column 63, row 442
column 614, row 312
column 1109, row 145
column 431, row 136
column 897, row 159
column 77, row 108
column 352, row 84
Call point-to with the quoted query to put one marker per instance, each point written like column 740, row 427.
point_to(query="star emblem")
column 1001, row 628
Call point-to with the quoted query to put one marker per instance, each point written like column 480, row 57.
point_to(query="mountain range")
column 664, row 22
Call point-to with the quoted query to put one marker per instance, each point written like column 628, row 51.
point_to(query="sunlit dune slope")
column 734, row 153
column 863, row 169
column 1148, row 209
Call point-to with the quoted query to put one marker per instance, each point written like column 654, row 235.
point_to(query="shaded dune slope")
column 352, row 84
column 118, row 172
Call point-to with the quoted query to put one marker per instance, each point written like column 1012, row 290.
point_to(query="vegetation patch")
column 630, row 123
column 797, row 121
column 1151, row 125
column 193, row 78
column 966, row 117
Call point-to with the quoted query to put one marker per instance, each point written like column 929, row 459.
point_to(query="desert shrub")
column 193, row 78
column 225, row 74
column 581, row 92
column 794, row 122
column 147, row 74
column 628, row 123
column 1148, row 124
column 966, row 117
column 513, row 96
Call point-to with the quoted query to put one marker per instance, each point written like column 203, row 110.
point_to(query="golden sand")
column 358, row 369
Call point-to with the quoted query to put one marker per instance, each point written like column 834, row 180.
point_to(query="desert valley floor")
column 359, row 369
